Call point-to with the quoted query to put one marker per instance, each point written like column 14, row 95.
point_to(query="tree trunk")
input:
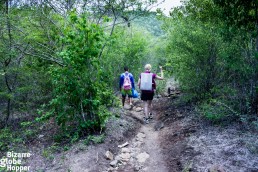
column 7, row 63
column 256, row 64
column 8, row 113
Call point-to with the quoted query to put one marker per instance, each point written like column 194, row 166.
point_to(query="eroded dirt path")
column 143, row 152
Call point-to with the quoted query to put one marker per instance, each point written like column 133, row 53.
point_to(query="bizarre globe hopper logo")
column 13, row 162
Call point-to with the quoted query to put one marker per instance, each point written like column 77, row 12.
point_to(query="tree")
column 243, row 16
column 193, row 52
column 25, row 34
column 79, row 95
column 10, row 57
column 213, row 60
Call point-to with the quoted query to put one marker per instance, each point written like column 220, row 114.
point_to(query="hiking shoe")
column 146, row 120
column 150, row 116
column 131, row 106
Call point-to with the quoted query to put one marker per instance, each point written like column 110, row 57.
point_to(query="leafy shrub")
column 6, row 137
column 9, row 140
column 208, row 62
column 95, row 139
column 161, row 84
column 216, row 111
column 80, row 96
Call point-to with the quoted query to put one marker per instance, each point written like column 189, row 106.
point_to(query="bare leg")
column 150, row 116
column 146, row 109
column 150, row 106
column 130, row 101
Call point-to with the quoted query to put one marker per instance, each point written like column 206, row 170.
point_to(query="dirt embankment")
column 189, row 143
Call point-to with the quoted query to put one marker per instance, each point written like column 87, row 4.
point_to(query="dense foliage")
column 213, row 53
column 79, row 90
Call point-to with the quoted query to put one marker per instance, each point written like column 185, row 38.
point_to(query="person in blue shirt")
column 126, row 85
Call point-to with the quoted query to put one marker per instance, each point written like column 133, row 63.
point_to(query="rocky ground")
column 176, row 140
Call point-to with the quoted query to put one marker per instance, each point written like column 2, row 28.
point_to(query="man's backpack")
column 146, row 81
column 127, row 82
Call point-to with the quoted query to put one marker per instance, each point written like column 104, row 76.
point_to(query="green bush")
column 9, row 140
column 217, row 112
column 80, row 95
column 6, row 137
column 95, row 139
column 212, row 60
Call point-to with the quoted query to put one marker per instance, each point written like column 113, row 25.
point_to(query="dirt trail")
column 156, row 162
column 145, row 151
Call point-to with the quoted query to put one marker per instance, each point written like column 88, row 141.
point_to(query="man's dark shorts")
column 147, row 95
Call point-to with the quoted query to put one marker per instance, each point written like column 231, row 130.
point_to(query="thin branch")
column 82, row 112
column 44, row 57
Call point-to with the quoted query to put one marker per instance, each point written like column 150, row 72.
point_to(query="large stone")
column 114, row 163
column 140, row 139
column 141, row 135
column 138, row 109
column 128, row 107
column 118, row 158
column 125, row 150
column 137, row 144
column 142, row 157
column 125, row 156
column 109, row 155
column 111, row 169
column 137, row 168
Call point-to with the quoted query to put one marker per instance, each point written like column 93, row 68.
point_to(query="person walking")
column 126, row 86
column 147, row 86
